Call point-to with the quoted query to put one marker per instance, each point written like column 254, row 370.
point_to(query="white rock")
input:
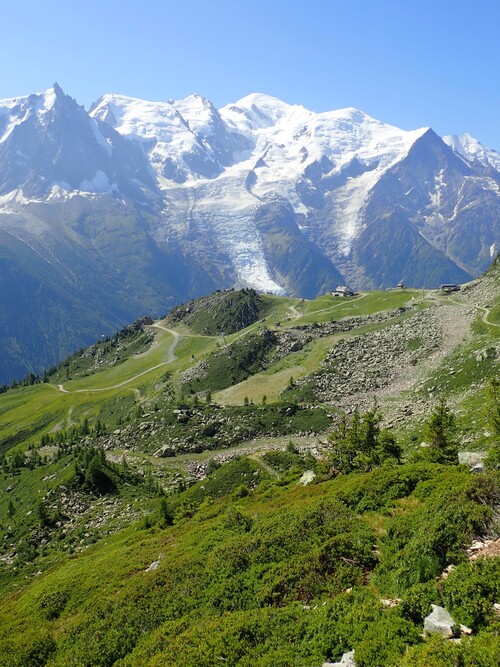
column 439, row 622
column 348, row 659
column 154, row 566
column 308, row 477
column 477, row 546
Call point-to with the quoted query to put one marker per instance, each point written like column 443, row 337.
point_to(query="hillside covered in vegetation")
column 257, row 480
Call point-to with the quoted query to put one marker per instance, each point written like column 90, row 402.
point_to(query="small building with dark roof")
column 343, row 290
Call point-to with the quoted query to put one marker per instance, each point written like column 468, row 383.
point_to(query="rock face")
column 439, row 622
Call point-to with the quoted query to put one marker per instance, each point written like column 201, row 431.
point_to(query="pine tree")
column 440, row 433
column 360, row 444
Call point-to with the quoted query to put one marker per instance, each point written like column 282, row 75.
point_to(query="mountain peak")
column 472, row 149
column 263, row 103
column 195, row 97
column 352, row 112
column 51, row 95
column 192, row 106
column 255, row 111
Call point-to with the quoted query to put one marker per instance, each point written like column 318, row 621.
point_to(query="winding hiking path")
column 184, row 335
column 170, row 359
column 336, row 305
column 437, row 296
column 486, row 312
column 265, row 466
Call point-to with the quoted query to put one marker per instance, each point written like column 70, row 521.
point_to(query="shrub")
column 419, row 544
column 471, row 590
column 386, row 640
column 417, row 601
column 52, row 604
column 35, row 652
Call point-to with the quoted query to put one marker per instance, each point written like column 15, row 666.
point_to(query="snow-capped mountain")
column 49, row 143
column 472, row 149
column 219, row 169
column 134, row 202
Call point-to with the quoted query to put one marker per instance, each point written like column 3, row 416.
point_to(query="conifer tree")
column 440, row 433
column 360, row 444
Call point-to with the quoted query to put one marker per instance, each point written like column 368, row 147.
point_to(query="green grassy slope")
column 250, row 568
column 275, row 575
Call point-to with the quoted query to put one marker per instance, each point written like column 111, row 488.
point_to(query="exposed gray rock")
column 154, row 566
column 165, row 451
column 487, row 353
column 472, row 459
column 347, row 660
column 307, row 478
column 439, row 622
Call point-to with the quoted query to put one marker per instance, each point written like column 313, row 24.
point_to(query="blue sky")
column 410, row 63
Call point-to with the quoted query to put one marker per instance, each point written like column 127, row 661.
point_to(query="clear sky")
column 411, row 63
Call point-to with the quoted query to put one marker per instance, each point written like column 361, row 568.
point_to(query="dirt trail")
column 255, row 457
column 184, row 335
column 336, row 305
column 171, row 357
column 486, row 312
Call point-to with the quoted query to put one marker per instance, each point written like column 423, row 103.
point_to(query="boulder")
column 473, row 459
column 308, row 477
column 154, row 566
column 486, row 353
column 347, row 660
column 439, row 622
column 165, row 451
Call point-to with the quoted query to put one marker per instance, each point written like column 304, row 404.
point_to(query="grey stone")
column 347, row 660
column 154, row 566
column 439, row 622
column 308, row 477
column 165, row 451
column 471, row 459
